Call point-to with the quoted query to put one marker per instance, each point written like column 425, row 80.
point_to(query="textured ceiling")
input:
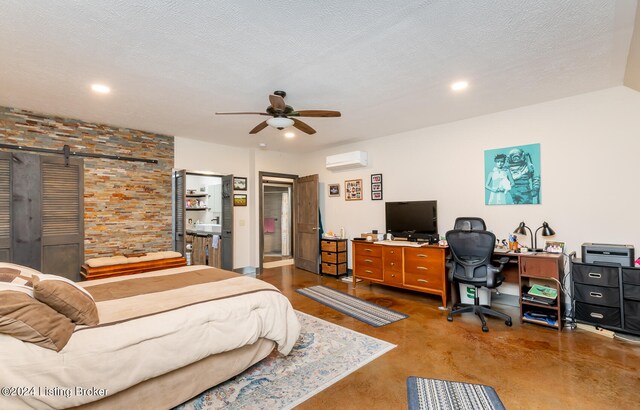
column 386, row 65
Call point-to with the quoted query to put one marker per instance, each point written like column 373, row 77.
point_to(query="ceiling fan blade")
column 277, row 102
column 315, row 113
column 259, row 127
column 303, row 127
column 240, row 113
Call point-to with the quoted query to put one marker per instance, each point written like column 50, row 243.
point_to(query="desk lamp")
column 546, row 231
column 520, row 231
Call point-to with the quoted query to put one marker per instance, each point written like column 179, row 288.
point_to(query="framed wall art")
column 239, row 199
column 353, row 190
column 334, row 189
column 376, row 187
column 512, row 175
column 239, row 184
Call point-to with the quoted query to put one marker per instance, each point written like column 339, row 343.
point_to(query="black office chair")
column 471, row 223
column 470, row 264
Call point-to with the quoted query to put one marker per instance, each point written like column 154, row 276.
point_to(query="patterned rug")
column 324, row 354
column 367, row 312
column 432, row 394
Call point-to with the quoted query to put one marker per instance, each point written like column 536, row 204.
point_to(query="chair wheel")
column 485, row 329
column 508, row 323
column 449, row 318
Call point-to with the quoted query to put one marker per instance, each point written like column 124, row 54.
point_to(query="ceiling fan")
column 281, row 113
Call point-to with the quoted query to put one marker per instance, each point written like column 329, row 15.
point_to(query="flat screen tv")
column 409, row 219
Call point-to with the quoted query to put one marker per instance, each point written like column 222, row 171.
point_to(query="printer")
column 608, row 253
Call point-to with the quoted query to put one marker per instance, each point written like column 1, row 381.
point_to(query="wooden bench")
column 119, row 269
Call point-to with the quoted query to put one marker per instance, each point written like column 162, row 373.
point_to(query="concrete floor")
column 530, row 366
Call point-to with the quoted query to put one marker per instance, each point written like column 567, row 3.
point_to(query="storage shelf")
column 196, row 209
column 541, row 322
column 196, row 195
column 540, row 305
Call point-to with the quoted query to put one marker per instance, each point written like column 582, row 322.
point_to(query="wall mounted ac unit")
column 347, row 160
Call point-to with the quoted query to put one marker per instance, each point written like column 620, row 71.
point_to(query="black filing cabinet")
column 607, row 295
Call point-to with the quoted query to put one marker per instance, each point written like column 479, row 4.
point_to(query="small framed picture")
column 239, row 199
column 376, row 196
column 376, row 178
column 554, row 246
column 377, row 187
column 334, row 189
column 353, row 190
column 239, row 184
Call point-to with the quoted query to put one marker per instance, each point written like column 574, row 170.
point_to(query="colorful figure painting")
column 512, row 175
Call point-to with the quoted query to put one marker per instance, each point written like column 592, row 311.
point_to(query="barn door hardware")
column 66, row 151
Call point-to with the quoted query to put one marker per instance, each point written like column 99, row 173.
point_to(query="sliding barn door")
column 5, row 207
column 48, row 213
column 227, row 223
column 62, row 216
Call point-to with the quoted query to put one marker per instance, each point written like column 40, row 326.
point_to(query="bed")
column 162, row 338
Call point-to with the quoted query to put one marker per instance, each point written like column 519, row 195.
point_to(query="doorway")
column 202, row 222
column 276, row 214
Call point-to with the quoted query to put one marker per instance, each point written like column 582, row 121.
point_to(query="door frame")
column 267, row 174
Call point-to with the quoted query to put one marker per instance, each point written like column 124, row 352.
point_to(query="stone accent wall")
column 127, row 205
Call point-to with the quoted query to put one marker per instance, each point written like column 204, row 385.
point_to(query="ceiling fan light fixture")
column 280, row 122
column 289, row 134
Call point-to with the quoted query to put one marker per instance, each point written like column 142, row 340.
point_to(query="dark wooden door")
column 179, row 204
column 5, row 207
column 62, row 212
column 226, row 261
column 307, row 236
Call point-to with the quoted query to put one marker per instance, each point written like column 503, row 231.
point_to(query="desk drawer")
column 333, row 257
column 368, row 249
column 422, row 267
column 597, row 295
column 595, row 275
column 430, row 281
column 539, row 267
column 600, row 315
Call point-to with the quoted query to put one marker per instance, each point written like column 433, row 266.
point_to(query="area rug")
column 355, row 307
column 432, row 394
column 323, row 354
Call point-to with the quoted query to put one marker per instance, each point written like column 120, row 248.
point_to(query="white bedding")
column 115, row 355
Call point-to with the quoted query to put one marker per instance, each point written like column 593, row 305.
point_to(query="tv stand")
column 408, row 265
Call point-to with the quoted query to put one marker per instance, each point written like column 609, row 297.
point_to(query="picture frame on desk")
column 553, row 247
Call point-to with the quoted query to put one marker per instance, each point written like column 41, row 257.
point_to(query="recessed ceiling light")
column 262, row 145
column 289, row 134
column 100, row 88
column 459, row 85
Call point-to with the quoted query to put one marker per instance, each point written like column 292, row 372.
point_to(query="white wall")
column 589, row 144
column 589, row 168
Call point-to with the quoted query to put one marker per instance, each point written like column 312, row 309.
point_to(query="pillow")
column 29, row 320
column 66, row 297
column 22, row 270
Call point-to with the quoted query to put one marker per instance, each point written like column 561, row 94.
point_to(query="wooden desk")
column 535, row 268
